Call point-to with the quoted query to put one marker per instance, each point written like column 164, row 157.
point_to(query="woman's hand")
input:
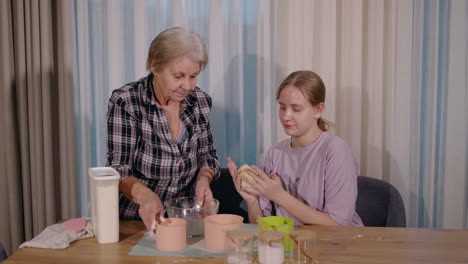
column 249, row 195
column 203, row 190
column 149, row 202
column 150, row 208
column 269, row 187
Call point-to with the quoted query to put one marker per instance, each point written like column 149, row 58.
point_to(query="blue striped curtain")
column 111, row 41
column 396, row 76
column 432, row 63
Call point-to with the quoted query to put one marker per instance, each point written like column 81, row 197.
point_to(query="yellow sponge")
column 243, row 175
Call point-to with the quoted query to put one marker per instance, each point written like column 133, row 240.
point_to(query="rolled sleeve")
column 207, row 150
column 121, row 136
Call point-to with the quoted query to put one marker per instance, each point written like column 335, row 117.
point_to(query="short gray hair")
column 174, row 43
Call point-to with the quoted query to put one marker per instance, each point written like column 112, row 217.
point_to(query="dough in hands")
column 243, row 173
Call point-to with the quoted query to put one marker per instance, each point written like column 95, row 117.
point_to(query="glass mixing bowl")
column 187, row 208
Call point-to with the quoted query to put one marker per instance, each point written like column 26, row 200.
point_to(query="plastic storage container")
column 104, row 185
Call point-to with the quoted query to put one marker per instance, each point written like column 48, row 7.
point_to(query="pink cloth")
column 75, row 225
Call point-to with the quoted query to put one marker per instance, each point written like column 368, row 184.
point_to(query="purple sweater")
column 322, row 175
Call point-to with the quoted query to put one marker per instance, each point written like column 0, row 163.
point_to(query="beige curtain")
column 37, row 152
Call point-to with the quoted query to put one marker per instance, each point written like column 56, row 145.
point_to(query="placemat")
column 146, row 246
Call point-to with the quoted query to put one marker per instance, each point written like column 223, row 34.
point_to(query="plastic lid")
column 240, row 234
column 103, row 173
column 271, row 235
column 300, row 235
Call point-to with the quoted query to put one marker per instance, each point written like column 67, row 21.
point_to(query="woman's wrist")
column 142, row 194
column 204, row 178
column 205, row 174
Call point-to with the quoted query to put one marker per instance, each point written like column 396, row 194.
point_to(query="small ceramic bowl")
column 187, row 208
column 216, row 228
column 172, row 235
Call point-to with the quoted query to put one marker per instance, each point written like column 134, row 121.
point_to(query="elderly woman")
column 159, row 136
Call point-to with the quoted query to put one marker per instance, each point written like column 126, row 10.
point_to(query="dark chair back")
column 3, row 254
column 224, row 190
column 379, row 203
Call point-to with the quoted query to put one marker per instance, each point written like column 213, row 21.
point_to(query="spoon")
column 198, row 206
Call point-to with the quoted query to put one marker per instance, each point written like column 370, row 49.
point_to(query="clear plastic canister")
column 240, row 245
column 305, row 247
column 104, row 185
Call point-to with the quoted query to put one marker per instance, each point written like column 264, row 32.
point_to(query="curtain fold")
column 38, row 153
column 11, row 231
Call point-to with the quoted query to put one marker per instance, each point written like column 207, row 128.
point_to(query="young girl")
column 313, row 174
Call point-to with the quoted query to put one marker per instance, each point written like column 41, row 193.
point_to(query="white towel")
column 55, row 237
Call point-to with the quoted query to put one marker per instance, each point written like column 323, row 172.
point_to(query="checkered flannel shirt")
column 139, row 142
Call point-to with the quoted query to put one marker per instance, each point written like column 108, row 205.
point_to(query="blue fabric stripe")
column 129, row 45
column 273, row 70
column 466, row 118
column 160, row 14
column 250, row 13
column 441, row 116
column 423, row 113
column 151, row 22
column 169, row 7
column 92, row 74
column 414, row 117
column 104, row 41
column 250, row 95
column 77, row 101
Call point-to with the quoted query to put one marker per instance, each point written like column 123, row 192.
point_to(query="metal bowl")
column 187, row 208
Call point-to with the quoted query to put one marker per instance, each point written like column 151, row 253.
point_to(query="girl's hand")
column 269, row 187
column 248, row 194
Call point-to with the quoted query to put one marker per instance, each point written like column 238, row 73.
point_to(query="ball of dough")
column 243, row 175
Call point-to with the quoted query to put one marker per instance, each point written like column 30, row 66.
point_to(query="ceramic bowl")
column 216, row 228
column 172, row 235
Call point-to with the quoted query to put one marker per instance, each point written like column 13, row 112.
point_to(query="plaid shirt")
column 139, row 142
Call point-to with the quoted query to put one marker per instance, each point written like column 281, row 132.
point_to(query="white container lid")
column 103, row 173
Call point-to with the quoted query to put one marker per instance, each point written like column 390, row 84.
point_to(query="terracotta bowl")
column 172, row 236
column 216, row 227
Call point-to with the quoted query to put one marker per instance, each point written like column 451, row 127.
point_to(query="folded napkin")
column 75, row 225
column 60, row 236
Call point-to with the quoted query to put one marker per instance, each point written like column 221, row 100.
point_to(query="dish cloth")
column 56, row 236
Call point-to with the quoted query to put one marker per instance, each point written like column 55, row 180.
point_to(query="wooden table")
column 337, row 245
